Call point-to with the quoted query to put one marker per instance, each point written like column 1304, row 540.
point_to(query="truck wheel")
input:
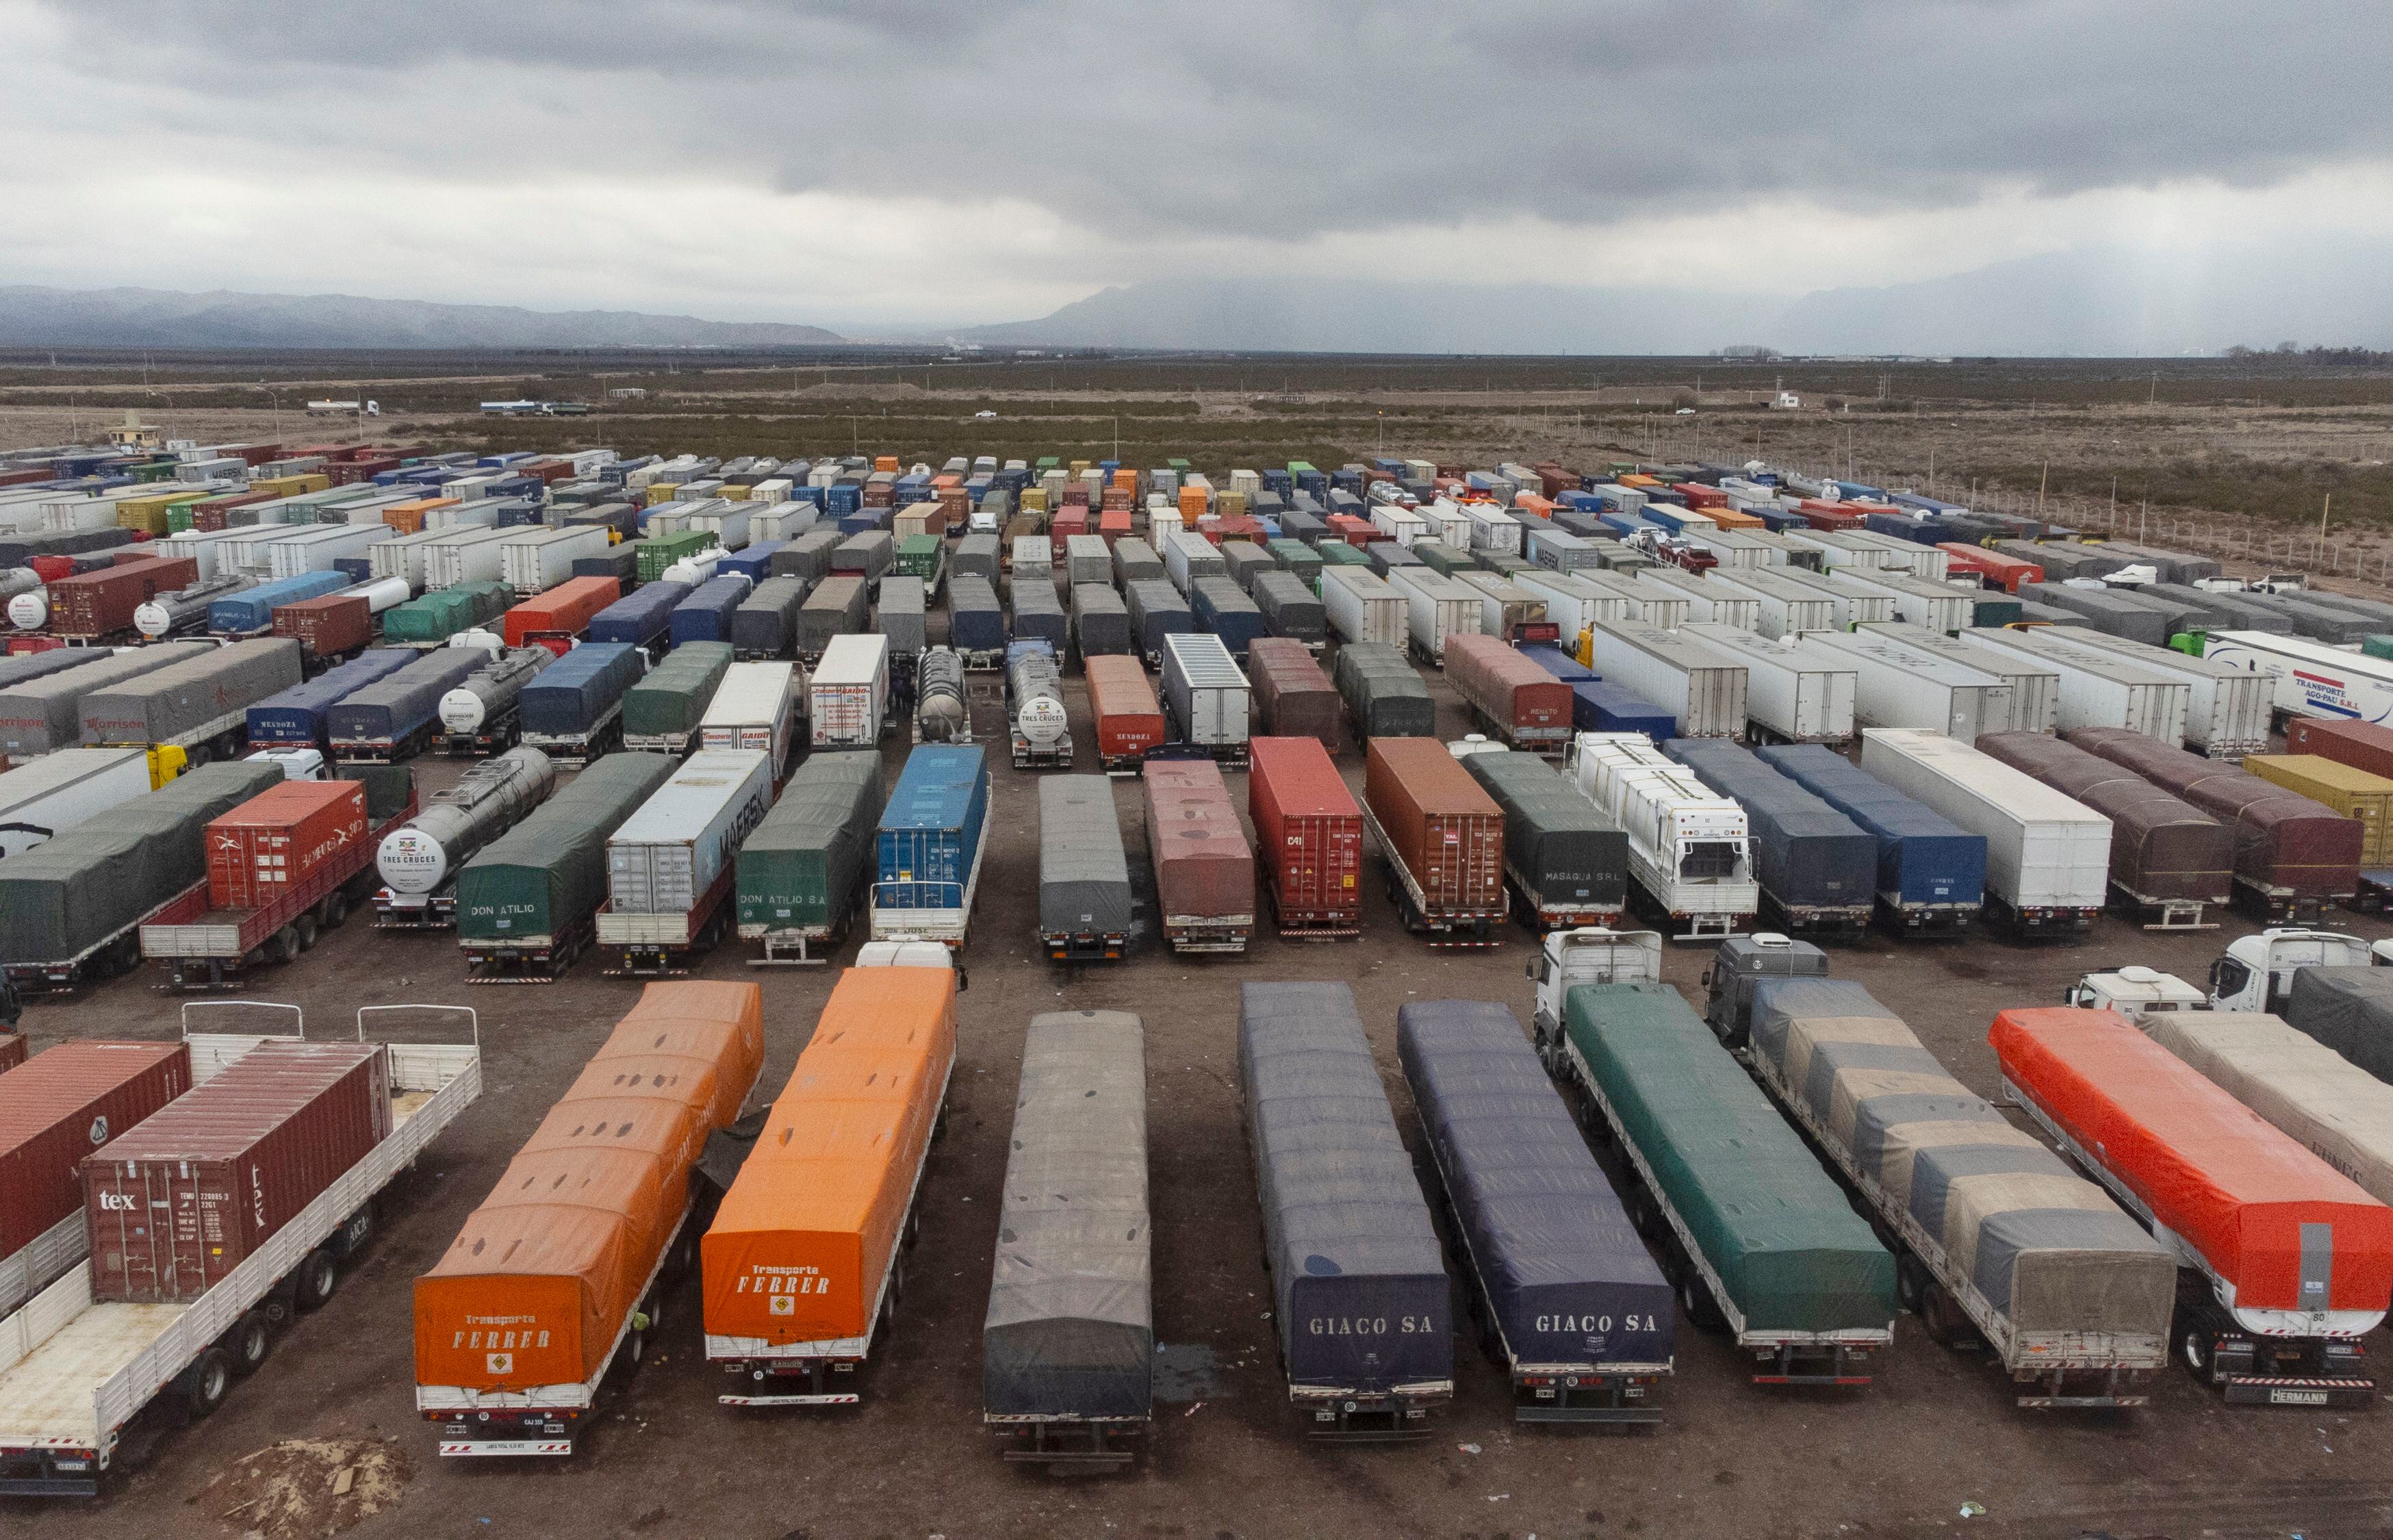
column 125, row 956
column 206, row 1381
column 1697, row 1300
column 2196, row 1348
column 1934, row 1318
column 304, row 929
column 334, row 909
column 284, row 945
column 247, row 1344
column 317, row 1276
column 1908, row 1279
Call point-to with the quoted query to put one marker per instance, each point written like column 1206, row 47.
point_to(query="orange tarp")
column 799, row 1248
column 2206, row 1166
column 537, row 1286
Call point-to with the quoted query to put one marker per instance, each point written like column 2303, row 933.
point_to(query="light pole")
column 1117, row 422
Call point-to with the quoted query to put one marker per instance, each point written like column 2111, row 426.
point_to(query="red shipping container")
column 1829, row 515
column 219, row 506
column 1521, row 701
column 2362, row 745
column 1700, row 497
column 2212, row 1170
column 188, row 1195
column 1308, row 834
column 51, row 569
column 1356, row 533
column 12, row 1051
column 1204, row 869
column 280, row 837
column 564, row 611
column 1129, row 721
column 60, row 1106
column 1071, row 521
column 1295, row 697
column 1438, row 823
column 101, row 603
column 1113, row 525
column 256, row 454
column 327, row 626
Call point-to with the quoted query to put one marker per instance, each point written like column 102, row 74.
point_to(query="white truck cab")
column 910, row 954
column 1589, row 955
column 2136, row 992
column 2257, row 972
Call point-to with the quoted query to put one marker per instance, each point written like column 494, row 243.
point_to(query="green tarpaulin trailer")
column 526, row 905
column 802, row 873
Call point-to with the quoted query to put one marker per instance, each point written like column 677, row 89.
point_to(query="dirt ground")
column 1226, row 1455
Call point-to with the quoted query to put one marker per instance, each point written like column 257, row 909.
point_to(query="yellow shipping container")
column 734, row 491
column 1233, row 504
column 292, row 486
column 661, row 491
column 1034, row 500
column 2353, row 792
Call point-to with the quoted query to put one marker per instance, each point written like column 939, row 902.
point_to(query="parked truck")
column 1756, row 1237
column 56, row 793
column 1084, row 892
column 930, row 848
column 573, row 710
column 1359, row 1289
column 1204, row 870
column 2047, row 854
column 2310, row 678
column 1816, row 867
column 418, row 862
column 1566, row 862
column 2168, row 858
column 502, row 1367
column 2289, row 1263
column 284, row 866
column 804, row 1263
column 1565, row 1294
column 1703, row 690
column 526, row 903
column 1931, row 873
column 801, row 876
column 669, row 866
column 1444, row 839
column 64, row 1408
column 198, row 705
column 2099, row 687
column 1690, row 849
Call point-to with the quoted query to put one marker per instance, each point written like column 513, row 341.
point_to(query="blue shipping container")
column 931, row 828
column 300, row 717
column 395, row 708
column 640, row 618
column 252, row 608
column 573, row 695
column 1924, row 859
column 754, row 563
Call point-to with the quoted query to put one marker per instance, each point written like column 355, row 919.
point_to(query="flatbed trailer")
column 945, row 926
column 1456, row 929
column 76, row 1372
column 664, row 946
column 201, row 948
column 817, row 1366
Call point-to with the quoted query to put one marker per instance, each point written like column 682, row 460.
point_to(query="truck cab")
column 2136, row 992
column 911, row 954
column 1590, row 954
column 2257, row 972
column 1739, row 964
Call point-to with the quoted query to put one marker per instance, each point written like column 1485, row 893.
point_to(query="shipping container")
column 1444, row 838
column 1705, row 694
column 97, row 606
column 525, row 901
column 257, row 852
column 2047, row 854
column 518, row 1322
column 574, row 708
column 1129, row 721
column 1309, row 834
column 2296, row 1256
column 1999, row 1235
column 2098, row 687
column 1206, row 695
column 53, row 1111
column 1359, row 1289
column 1384, row 697
column 1293, row 698
column 1084, row 892
column 801, row 875
column 1931, row 873
column 2293, row 855
column 928, row 850
column 251, row 611
column 1570, row 1301
column 556, row 618
column 674, row 854
column 1204, row 870
column 1901, row 687
column 2362, row 745
column 663, row 709
column 2360, row 795
column 189, row 1194
column 1068, row 1345
column 1773, row 1252
column 1515, row 700
column 1818, row 869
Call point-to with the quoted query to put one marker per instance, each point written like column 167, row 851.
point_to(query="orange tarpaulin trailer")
column 536, row 1288
column 807, row 1234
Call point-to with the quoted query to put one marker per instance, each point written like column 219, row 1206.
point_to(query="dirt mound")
column 307, row 1486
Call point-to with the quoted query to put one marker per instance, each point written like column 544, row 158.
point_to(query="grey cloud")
column 1267, row 117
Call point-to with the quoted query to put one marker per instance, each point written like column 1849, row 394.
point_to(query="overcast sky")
column 921, row 163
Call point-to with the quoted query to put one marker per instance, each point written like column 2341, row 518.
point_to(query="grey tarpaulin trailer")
column 1067, row 1347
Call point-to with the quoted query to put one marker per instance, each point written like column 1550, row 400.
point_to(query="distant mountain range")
column 2101, row 301
column 31, row 317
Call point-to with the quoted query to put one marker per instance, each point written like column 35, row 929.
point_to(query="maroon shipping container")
column 1521, row 702
column 12, row 1051
column 1204, row 869
column 1439, row 826
column 2162, row 847
column 1309, row 834
column 1129, row 721
column 101, row 603
column 1296, row 698
column 59, row 1106
column 2362, row 745
column 2286, row 844
column 260, row 850
column 328, row 626
column 184, row 1198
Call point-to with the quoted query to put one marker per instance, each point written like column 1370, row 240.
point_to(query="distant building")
column 135, row 435
column 1786, row 401
column 628, row 392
